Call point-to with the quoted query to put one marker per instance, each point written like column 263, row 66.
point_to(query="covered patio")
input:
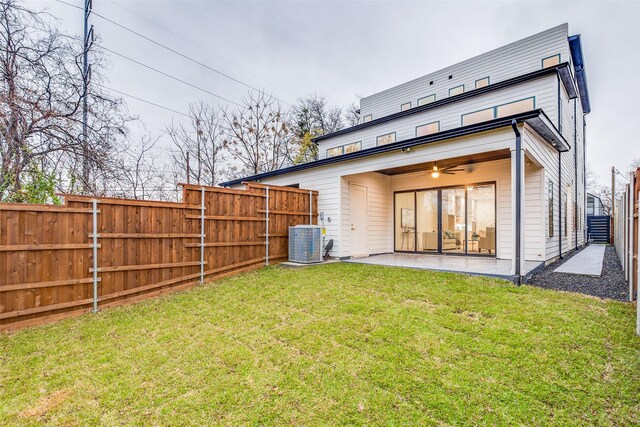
column 481, row 266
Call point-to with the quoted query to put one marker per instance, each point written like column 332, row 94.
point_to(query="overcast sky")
column 345, row 50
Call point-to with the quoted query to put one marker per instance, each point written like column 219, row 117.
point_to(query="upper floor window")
column 427, row 129
column 551, row 61
column 482, row 82
column 503, row 110
column 427, row 99
column 335, row 151
column 344, row 149
column 456, row 90
column 354, row 146
column 406, row 106
column 516, row 107
column 478, row 116
column 367, row 118
column 386, row 139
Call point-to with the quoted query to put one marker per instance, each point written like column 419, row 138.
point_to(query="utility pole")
column 613, row 200
column 86, row 76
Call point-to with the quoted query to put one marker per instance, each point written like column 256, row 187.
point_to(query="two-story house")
column 483, row 158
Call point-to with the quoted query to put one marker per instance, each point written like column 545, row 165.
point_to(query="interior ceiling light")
column 434, row 172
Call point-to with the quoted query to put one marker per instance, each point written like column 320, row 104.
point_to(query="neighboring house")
column 482, row 158
column 595, row 207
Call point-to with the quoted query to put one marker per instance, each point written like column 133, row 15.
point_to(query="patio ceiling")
column 454, row 161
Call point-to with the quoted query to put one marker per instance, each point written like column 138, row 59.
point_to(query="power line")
column 173, row 51
column 201, row 47
column 169, row 75
column 143, row 100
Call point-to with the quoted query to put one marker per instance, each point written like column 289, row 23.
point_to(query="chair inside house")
column 487, row 240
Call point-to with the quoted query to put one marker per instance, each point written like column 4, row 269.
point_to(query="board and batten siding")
column 544, row 89
column 515, row 59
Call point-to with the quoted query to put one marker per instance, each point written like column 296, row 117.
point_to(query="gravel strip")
column 610, row 285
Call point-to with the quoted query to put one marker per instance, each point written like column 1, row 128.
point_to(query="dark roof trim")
column 562, row 69
column 581, row 75
column 537, row 119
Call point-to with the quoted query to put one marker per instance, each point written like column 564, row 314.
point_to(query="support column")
column 517, row 206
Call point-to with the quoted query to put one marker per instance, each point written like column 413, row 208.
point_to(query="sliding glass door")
column 427, row 221
column 456, row 220
column 453, row 220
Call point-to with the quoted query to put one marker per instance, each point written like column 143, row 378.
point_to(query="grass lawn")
column 334, row 344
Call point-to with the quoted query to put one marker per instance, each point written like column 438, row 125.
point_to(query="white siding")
column 328, row 179
column 379, row 212
column 543, row 89
column 500, row 64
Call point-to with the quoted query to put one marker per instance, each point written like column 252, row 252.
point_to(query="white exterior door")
column 358, row 210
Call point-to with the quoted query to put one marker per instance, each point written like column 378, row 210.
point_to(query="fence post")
column 267, row 229
column 94, row 246
column 310, row 207
column 202, row 219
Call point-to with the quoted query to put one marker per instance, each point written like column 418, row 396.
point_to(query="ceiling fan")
column 447, row 170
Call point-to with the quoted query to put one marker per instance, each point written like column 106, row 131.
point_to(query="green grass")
column 335, row 344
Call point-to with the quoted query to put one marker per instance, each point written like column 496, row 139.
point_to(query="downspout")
column 575, row 163
column 560, row 203
column 559, row 172
column 584, row 176
column 518, row 202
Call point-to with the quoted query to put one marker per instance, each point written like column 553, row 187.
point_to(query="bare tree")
column 257, row 134
column 141, row 175
column 352, row 114
column 198, row 146
column 41, row 93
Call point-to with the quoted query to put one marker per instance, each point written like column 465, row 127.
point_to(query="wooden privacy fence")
column 93, row 253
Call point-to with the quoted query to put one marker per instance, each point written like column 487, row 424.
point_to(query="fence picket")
column 49, row 254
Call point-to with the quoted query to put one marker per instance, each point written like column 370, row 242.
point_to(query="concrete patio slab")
column 481, row 266
column 587, row 262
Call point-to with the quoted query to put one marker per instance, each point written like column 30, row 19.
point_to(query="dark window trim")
column 425, row 97
column 342, row 149
column 482, row 78
column 495, row 108
column 549, row 57
column 427, row 124
column 456, row 87
column 439, row 190
column 386, row 134
column 438, row 103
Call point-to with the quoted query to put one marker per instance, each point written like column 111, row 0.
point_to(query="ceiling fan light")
column 435, row 173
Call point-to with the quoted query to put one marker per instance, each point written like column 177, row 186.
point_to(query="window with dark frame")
column 386, row 139
column 335, row 151
column 428, row 129
column 551, row 61
column 550, row 210
column 427, row 99
column 482, row 82
column 456, row 90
